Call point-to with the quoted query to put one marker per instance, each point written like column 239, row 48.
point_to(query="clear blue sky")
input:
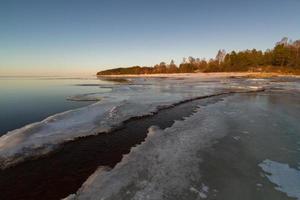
column 71, row 37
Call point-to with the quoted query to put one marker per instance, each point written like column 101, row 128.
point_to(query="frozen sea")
column 244, row 147
column 241, row 142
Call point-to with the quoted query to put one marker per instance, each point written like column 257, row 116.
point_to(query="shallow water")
column 28, row 100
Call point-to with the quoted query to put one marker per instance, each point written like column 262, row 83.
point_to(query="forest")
column 283, row 58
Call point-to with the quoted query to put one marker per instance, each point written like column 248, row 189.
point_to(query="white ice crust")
column 143, row 96
column 165, row 166
column 286, row 178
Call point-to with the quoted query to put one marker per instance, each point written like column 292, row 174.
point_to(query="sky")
column 72, row 37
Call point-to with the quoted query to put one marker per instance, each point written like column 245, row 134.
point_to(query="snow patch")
column 287, row 179
column 202, row 193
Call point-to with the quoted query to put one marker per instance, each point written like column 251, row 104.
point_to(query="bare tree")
column 221, row 55
column 162, row 64
column 172, row 62
column 284, row 41
column 191, row 59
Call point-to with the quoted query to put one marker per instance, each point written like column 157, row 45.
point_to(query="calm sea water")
column 28, row 100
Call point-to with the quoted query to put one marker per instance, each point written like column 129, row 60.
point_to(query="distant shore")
column 208, row 75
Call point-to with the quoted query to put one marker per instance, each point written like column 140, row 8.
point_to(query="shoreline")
column 206, row 75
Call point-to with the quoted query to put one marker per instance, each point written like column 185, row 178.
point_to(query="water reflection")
column 26, row 100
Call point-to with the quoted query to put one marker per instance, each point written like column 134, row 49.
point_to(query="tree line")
column 284, row 58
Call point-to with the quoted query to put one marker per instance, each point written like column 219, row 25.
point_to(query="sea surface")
column 25, row 100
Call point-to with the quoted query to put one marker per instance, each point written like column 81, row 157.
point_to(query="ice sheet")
column 165, row 166
column 138, row 98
